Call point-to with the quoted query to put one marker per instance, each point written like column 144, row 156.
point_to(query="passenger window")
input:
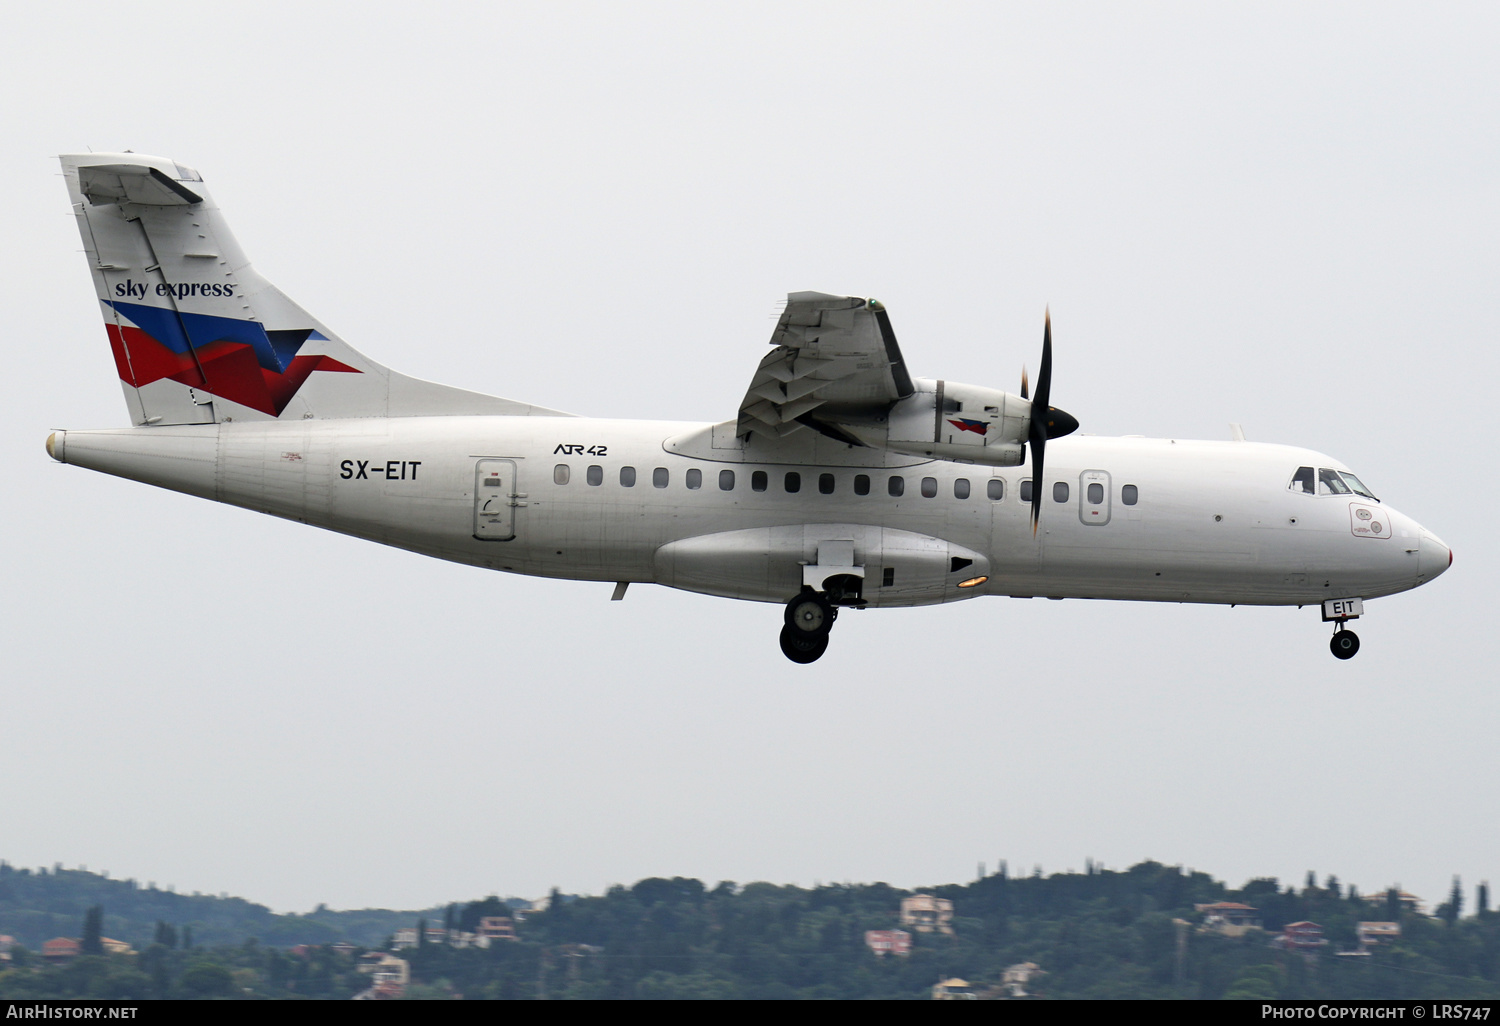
column 1060, row 491
column 695, row 478
column 825, row 484
column 793, row 482
column 961, row 488
column 1026, row 490
column 560, row 474
column 758, row 481
column 627, row 477
column 1096, row 493
column 896, row 486
column 861, row 484
column 1302, row 481
column 929, row 487
column 595, row 475
column 726, row 480
column 659, row 477
column 1329, row 483
column 996, row 488
column 1130, row 495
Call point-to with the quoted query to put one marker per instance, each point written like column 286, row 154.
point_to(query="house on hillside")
column 1304, row 937
column 1229, row 918
column 1016, row 977
column 1371, row 934
column 925, row 913
column 61, row 949
column 953, row 989
column 497, row 928
column 1408, row 902
column 888, row 942
column 389, row 976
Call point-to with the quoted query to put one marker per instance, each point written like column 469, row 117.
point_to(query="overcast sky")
column 1280, row 215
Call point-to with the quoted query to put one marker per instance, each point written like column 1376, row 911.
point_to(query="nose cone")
column 1060, row 422
column 1434, row 556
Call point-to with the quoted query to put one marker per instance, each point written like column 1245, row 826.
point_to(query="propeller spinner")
column 1046, row 421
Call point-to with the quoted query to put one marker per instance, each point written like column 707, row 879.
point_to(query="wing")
column 837, row 352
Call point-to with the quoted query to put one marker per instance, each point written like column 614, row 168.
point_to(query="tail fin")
column 199, row 337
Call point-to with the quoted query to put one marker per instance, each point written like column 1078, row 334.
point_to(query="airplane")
column 843, row 482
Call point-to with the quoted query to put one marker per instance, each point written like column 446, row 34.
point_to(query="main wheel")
column 800, row 647
column 1344, row 644
column 810, row 614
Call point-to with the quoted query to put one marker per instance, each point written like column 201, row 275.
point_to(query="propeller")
column 1046, row 422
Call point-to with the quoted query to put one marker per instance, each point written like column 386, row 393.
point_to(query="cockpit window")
column 1357, row 485
column 1329, row 482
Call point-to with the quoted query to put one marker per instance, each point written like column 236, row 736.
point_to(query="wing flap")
column 829, row 350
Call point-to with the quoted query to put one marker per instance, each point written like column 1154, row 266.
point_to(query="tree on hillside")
column 1450, row 910
column 1482, row 897
column 92, row 942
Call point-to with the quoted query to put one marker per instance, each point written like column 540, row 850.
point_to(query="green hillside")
column 39, row 904
column 1098, row 934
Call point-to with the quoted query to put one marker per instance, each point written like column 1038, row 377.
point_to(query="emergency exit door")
column 1093, row 497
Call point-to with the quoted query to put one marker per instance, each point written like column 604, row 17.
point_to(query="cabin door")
column 495, row 500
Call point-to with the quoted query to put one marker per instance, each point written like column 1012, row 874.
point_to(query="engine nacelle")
column 947, row 420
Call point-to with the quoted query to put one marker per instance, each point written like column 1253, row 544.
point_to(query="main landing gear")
column 809, row 618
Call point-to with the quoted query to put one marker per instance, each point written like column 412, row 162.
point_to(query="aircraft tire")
column 1344, row 644
column 810, row 614
column 800, row 648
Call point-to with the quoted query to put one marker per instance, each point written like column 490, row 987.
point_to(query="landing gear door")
column 495, row 500
column 1094, row 497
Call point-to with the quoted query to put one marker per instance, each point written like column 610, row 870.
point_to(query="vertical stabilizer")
column 198, row 336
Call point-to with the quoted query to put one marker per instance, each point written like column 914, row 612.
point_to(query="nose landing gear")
column 1339, row 612
column 809, row 618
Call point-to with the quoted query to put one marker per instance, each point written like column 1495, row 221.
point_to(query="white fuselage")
column 1210, row 521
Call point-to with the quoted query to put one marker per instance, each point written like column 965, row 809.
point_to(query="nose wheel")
column 1344, row 644
column 809, row 617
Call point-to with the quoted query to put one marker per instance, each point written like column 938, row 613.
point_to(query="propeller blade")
column 1038, row 439
column 1023, row 382
column 1044, row 376
column 1046, row 422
